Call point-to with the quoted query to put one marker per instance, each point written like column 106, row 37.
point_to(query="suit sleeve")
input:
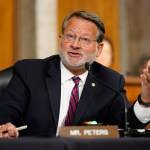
column 14, row 99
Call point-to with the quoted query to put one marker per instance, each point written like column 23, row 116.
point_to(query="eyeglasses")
column 71, row 38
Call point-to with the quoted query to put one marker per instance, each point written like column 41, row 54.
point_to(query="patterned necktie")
column 74, row 97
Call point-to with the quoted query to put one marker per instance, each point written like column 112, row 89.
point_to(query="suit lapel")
column 53, row 82
column 89, row 93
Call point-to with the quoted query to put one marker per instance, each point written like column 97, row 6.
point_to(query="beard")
column 77, row 64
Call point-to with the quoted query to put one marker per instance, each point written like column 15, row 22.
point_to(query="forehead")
column 80, row 25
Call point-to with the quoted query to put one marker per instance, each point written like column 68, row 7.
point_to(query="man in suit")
column 39, row 91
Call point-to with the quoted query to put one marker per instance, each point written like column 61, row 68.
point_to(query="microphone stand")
column 126, row 130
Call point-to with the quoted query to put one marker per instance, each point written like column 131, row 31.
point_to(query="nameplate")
column 89, row 131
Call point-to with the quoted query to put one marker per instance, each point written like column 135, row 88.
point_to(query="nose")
column 76, row 43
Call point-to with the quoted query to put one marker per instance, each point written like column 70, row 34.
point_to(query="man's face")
column 78, row 43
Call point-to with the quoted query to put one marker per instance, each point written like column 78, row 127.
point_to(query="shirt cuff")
column 143, row 114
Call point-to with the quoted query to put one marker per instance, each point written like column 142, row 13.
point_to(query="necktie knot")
column 76, row 80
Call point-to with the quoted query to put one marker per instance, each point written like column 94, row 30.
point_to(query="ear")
column 60, row 38
column 99, row 48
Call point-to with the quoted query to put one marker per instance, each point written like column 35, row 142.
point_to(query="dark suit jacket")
column 33, row 97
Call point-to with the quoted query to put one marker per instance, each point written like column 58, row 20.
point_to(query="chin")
column 75, row 66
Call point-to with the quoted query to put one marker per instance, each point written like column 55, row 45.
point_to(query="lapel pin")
column 93, row 84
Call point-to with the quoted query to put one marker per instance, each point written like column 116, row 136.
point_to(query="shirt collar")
column 67, row 75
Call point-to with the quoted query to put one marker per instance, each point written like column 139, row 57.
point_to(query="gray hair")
column 90, row 17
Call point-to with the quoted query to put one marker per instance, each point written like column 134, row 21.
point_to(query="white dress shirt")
column 143, row 114
column 67, row 85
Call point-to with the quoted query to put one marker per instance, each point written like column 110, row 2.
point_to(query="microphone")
column 126, row 131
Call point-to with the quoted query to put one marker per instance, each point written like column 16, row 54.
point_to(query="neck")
column 76, row 71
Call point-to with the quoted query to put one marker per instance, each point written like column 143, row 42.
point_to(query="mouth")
column 74, row 54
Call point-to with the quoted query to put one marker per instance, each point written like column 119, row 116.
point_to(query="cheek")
column 64, row 46
column 90, row 50
column 61, row 43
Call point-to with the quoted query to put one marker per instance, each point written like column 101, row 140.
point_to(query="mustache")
column 71, row 50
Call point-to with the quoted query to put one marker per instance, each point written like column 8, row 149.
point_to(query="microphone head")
column 88, row 66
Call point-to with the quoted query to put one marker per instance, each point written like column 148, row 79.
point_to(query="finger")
column 148, row 69
column 148, row 66
column 144, row 79
column 3, row 128
column 146, row 73
column 6, row 135
column 3, row 132
column 13, row 132
column 1, row 135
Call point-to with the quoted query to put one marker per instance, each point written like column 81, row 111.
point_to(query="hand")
column 8, row 130
column 145, row 81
